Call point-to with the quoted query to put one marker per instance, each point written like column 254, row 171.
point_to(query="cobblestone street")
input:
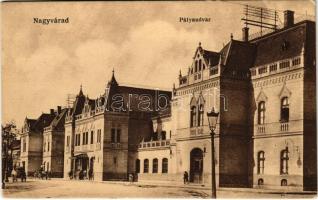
column 85, row 189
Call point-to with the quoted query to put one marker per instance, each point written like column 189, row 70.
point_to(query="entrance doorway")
column 196, row 165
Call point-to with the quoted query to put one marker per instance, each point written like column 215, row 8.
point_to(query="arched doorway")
column 196, row 165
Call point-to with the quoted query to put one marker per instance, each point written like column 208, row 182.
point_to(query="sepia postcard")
column 158, row 99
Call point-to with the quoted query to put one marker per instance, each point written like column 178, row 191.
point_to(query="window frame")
column 165, row 165
column 284, row 158
column 284, row 109
column 260, row 162
column 155, row 165
column 261, row 113
column 146, row 166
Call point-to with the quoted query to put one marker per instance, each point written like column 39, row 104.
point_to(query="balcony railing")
column 154, row 144
column 87, row 147
column 279, row 127
column 277, row 67
column 195, row 131
column 284, row 126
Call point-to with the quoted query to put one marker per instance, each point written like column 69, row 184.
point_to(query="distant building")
column 53, row 144
column 32, row 141
column 16, row 151
column 102, row 135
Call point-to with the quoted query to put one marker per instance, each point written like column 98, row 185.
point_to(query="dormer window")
column 196, row 66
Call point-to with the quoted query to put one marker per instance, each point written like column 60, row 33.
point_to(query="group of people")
column 82, row 174
column 18, row 172
column 41, row 174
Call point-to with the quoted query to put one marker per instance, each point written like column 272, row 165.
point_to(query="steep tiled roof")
column 30, row 122
column 43, row 121
column 240, row 56
column 211, row 57
column 133, row 97
column 59, row 120
column 282, row 44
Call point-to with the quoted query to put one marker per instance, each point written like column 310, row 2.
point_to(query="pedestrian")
column 46, row 175
column 14, row 175
column 185, row 177
column 90, row 174
column 81, row 175
column 131, row 178
column 23, row 175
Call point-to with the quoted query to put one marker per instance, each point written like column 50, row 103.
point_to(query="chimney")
column 59, row 108
column 288, row 18
column 245, row 34
column 52, row 111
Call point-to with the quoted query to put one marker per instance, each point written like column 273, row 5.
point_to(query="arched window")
column 146, row 166
column 201, row 114
column 155, row 165
column 165, row 165
column 261, row 112
column 200, row 65
column 284, row 161
column 193, row 116
column 260, row 162
column 260, row 181
column 137, row 166
column 284, row 110
column 283, row 182
column 196, row 66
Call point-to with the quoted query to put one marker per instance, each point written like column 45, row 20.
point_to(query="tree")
column 8, row 135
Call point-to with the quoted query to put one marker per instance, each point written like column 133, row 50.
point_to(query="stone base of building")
column 115, row 176
column 280, row 182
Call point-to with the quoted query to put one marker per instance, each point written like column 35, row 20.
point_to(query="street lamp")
column 213, row 118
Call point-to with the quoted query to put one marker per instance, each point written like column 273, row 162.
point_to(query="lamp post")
column 213, row 118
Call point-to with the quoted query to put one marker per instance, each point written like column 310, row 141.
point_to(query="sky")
column 143, row 42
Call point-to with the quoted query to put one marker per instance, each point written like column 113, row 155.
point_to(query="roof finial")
column 180, row 73
column 231, row 36
column 113, row 79
column 199, row 44
column 81, row 90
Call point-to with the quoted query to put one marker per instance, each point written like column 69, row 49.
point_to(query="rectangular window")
column 214, row 71
column 48, row 146
column 92, row 137
column 83, row 141
column 99, row 133
column 86, row 138
column 113, row 135
column 118, row 135
column 68, row 141
column 44, row 146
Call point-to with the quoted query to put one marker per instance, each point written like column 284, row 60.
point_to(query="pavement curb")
column 199, row 187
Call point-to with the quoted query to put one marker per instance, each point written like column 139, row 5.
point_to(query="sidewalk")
column 203, row 187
